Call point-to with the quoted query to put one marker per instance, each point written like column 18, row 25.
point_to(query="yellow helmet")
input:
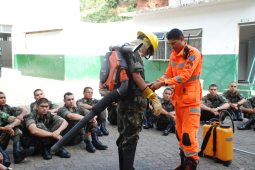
column 150, row 37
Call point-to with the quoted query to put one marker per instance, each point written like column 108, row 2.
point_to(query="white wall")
column 219, row 21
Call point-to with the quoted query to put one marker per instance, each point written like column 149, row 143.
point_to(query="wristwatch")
column 218, row 108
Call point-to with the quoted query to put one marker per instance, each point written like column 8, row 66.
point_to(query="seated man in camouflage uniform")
column 112, row 114
column 212, row 103
column 73, row 114
column 38, row 93
column 45, row 129
column 235, row 100
column 248, row 109
column 9, row 130
column 88, row 102
column 166, row 120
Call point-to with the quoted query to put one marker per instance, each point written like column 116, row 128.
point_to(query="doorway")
column 6, row 44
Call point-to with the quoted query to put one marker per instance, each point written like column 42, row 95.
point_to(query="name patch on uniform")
column 192, row 58
column 189, row 65
column 4, row 115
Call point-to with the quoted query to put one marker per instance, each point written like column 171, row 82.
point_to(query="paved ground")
column 154, row 150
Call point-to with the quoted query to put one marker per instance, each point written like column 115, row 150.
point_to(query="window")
column 9, row 38
column 164, row 51
column 1, row 38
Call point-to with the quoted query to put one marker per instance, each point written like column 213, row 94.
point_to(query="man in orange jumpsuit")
column 184, row 71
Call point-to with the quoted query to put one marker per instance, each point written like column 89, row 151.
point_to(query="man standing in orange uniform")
column 184, row 71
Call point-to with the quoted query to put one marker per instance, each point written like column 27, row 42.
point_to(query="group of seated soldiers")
column 47, row 122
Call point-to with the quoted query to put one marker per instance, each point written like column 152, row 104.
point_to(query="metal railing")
column 248, row 80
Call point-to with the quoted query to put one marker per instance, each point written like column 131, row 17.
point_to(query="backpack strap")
column 214, row 140
column 205, row 141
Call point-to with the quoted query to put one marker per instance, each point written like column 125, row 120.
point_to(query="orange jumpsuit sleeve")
column 186, row 72
column 168, row 74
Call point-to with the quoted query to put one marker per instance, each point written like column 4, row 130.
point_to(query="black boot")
column 129, row 157
column 120, row 158
column 89, row 146
column 246, row 125
column 103, row 129
column 62, row 153
column 99, row 133
column 19, row 153
column 6, row 160
column 239, row 115
column 182, row 166
column 46, row 153
column 145, row 122
column 190, row 164
column 168, row 128
column 97, row 143
column 151, row 121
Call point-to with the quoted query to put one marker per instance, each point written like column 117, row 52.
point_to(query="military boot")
column 6, row 158
column 239, row 115
column 120, row 158
column 103, row 125
column 190, row 164
column 19, row 153
column 89, row 146
column 145, row 122
column 97, row 143
column 46, row 152
column 168, row 128
column 246, row 125
column 151, row 121
column 99, row 132
column 129, row 157
column 62, row 153
column 182, row 166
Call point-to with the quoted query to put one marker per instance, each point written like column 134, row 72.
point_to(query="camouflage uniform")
column 112, row 114
column 11, row 110
column 92, row 102
column 217, row 101
column 64, row 111
column 233, row 99
column 51, row 106
column 163, row 120
column 249, row 104
column 131, row 107
column 6, row 119
column 49, row 122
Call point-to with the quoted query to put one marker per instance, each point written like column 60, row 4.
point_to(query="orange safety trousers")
column 187, row 124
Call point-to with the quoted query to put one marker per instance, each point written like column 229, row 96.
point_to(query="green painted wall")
column 217, row 69
column 80, row 66
column 46, row 66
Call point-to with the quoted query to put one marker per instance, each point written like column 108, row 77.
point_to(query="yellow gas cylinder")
column 224, row 141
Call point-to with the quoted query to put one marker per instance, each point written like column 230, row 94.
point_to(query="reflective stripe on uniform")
column 190, row 153
column 194, row 110
column 179, row 80
column 172, row 63
column 165, row 77
column 180, row 65
column 194, row 78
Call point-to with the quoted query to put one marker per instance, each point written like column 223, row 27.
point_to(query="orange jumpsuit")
column 185, row 75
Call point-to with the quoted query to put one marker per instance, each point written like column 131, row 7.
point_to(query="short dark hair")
column 67, row 94
column 175, row 34
column 213, row 85
column 37, row 90
column 42, row 100
column 86, row 89
column 232, row 82
column 1, row 92
column 167, row 89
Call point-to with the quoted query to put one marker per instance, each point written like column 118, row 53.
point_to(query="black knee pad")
column 177, row 136
column 185, row 139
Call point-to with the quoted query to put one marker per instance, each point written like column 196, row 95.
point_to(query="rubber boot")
column 151, row 121
column 120, row 158
column 168, row 128
column 6, row 160
column 62, row 153
column 239, row 115
column 129, row 157
column 103, row 125
column 190, row 164
column 246, row 125
column 182, row 166
column 19, row 153
column 145, row 122
column 99, row 132
column 97, row 143
column 46, row 153
column 89, row 146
